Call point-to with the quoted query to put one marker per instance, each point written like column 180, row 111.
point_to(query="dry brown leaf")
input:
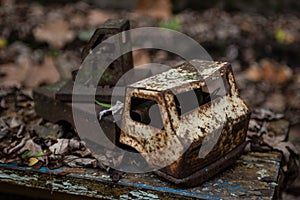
column 16, row 145
column 56, row 32
column 24, row 72
column 15, row 73
column 274, row 72
column 285, row 147
column 64, row 146
column 76, row 162
column 39, row 74
column 10, row 70
column 141, row 57
column 254, row 73
column 78, row 20
column 265, row 114
column 60, row 148
column 270, row 72
column 276, row 102
column 97, row 17
column 161, row 9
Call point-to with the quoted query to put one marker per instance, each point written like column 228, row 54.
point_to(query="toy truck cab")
column 189, row 121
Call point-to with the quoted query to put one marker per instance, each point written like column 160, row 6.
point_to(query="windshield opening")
column 192, row 99
column 146, row 112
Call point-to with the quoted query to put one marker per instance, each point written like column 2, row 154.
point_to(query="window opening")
column 146, row 112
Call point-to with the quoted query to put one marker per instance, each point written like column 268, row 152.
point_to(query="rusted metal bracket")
column 118, row 68
column 58, row 96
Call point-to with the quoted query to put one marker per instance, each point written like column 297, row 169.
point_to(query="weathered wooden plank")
column 255, row 175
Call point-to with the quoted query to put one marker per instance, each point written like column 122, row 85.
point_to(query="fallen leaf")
column 14, row 123
column 14, row 74
column 64, row 146
column 78, row 20
column 56, row 32
column 270, row 72
column 265, row 114
column 38, row 154
column 47, row 130
column 141, row 57
column 4, row 129
column 75, row 161
column 276, row 143
column 161, row 9
column 3, row 43
column 284, row 37
column 276, row 102
column 254, row 73
column 16, row 146
column 26, row 154
column 60, row 148
column 109, row 158
column 33, row 149
column 83, row 153
column 173, row 24
column 97, row 17
column 26, row 73
column 45, row 73
column 32, row 161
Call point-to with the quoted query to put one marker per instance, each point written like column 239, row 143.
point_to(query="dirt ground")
column 41, row 43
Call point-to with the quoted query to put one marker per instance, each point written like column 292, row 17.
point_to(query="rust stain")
column 220, row 118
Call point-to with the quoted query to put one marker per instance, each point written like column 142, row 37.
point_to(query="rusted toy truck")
column 188, row 120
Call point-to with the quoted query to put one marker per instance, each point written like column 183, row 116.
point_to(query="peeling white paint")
column 16, row 177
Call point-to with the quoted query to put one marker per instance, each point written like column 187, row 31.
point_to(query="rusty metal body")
column 58, row 96
column 157, row 121
column 184, row 130
column 106, row 49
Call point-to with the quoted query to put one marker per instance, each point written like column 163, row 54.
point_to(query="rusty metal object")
column 155, row 121
column 121, row 65
column 181, row 125
column 116, row 69
column 207, row 172
column 103, row 93
column 61, row 112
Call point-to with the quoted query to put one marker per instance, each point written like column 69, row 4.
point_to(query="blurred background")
column 41, row 41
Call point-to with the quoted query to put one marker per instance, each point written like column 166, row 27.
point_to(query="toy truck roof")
column 185, row 75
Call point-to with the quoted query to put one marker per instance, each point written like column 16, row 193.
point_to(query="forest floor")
column 41, row 44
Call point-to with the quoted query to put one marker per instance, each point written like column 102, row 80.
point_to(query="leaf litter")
column 30, row 141
column 268, row 131
column 49, row 38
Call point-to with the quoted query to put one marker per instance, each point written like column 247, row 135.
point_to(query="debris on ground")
column 41, row 44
